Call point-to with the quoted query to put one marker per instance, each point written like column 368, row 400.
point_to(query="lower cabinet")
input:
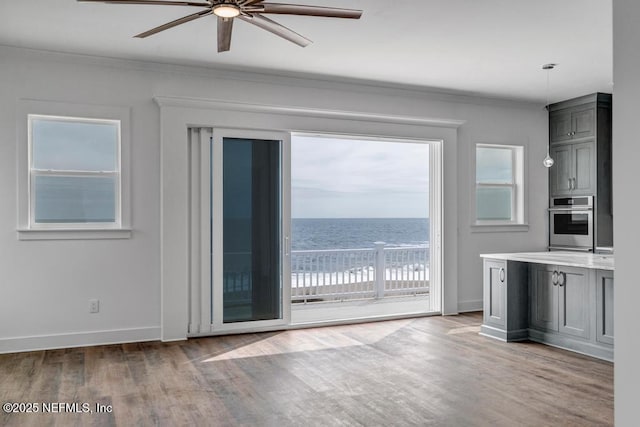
column 572, row 308
column 560, row 299
column 544, row 298
column 505, row 300
column 567, row 307
column 495, row 293
column 604, row 307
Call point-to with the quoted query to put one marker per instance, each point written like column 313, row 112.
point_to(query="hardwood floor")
column 426, row 371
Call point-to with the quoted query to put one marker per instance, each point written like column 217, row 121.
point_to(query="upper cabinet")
column 580, row 138
column 573, row 173
column 572, row 123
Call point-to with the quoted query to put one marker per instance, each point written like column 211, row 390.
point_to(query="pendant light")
column 548, row 161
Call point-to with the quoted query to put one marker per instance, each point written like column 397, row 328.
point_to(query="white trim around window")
column 519, row 217
column 28, row 229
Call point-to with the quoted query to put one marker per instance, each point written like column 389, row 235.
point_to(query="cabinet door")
column 495, row 282
column 560, row 174
column 560, row 126
column 573, row 287
column 583, row 122
column 544, row 298
column 604, row 307
column 584, row 167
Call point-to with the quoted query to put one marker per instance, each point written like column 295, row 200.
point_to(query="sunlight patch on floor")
column 464, row 330
column 314, row 340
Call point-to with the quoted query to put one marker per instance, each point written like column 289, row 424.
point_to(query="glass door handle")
column 286, row 246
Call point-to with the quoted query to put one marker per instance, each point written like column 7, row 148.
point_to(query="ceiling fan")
column 251, row 11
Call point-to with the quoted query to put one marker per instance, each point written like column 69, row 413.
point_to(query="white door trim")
column 178, row 115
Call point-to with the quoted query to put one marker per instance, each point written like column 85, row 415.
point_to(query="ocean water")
column 357, row 233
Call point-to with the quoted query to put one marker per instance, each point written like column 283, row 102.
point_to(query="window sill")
column 499, row 228
column 73, row 234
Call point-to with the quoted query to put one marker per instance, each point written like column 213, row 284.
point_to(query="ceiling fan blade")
column 174, row 23
column 249, row 2
column 151, row 2
column 225, row 26
column 298, row 9
column 275, row 28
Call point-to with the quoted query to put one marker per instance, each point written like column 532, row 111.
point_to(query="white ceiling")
column 488, row 47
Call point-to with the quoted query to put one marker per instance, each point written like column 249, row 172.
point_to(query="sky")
column 345, row 178
column 74, row 145
column 494, row 165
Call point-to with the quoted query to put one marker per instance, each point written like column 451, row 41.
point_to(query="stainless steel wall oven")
column 571, row 223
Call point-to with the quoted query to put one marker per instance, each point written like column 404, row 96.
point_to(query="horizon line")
column 363, row 217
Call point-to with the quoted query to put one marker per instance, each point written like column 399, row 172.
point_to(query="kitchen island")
column 559, row 298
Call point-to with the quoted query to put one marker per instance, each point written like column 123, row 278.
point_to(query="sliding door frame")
column 215, row 261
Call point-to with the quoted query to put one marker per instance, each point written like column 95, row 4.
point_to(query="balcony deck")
column 364, row 309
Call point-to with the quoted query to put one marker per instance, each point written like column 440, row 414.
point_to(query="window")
column 74, row 172
column 499, row 184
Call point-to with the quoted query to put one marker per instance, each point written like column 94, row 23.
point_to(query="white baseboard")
column 78, row 339
column 472, row 305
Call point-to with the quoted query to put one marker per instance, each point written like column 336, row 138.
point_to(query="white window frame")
column 517, row 184
column 28, row 229
column 33, row 173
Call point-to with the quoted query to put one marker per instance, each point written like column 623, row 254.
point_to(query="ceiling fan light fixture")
column 226, row 10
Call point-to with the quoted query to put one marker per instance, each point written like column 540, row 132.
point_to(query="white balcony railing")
column 340, row 274
column 330, row 275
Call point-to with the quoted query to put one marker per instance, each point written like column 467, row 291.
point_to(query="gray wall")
column 46, row 284
column 626, row 232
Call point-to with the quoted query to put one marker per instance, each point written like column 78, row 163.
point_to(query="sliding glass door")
column 367, row 242
column 249, row 230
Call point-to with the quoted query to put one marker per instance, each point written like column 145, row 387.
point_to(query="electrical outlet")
column 94, row 306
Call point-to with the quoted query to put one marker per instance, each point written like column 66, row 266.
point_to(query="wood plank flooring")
column 428, row 371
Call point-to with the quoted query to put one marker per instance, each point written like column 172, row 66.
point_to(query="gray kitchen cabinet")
column 505, row 300
column 561, row 173
column 572, row 123
column 584, row 168
column 604, row 306
column 560, row 126
column 530, row 295
column 573, row 172
column 544, row 297
column 574, row 310
column 560, row 299
column 495, row 278
column 580, row 144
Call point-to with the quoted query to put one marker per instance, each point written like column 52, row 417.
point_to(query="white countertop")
column 566, row 258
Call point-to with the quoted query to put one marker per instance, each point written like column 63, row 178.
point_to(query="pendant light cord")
column 547, row 104
column 548, row 161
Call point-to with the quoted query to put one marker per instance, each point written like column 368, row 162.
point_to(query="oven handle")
column 576, row 210
column 571, row 248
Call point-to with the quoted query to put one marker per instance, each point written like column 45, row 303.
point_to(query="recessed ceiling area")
column 493, row 48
